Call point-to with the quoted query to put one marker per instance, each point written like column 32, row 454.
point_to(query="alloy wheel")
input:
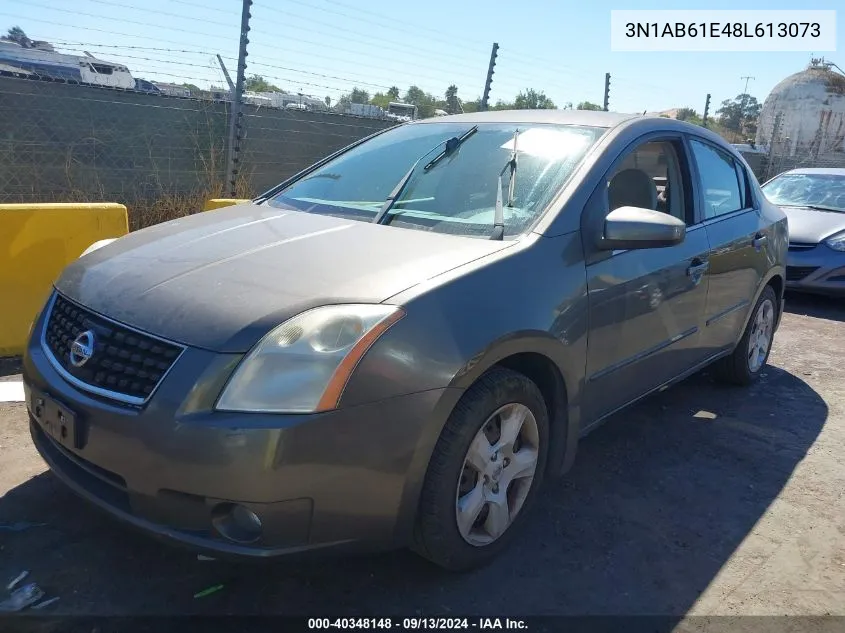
column 497, row 474
column 761, row 335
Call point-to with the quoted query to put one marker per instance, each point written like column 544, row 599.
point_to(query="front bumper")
column 817, row 269
column 346, row 479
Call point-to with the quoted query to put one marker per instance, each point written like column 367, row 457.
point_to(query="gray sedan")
column 397, row 346
column 814, row 202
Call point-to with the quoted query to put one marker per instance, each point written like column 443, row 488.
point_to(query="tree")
column 328, row 102
column 452, row 104
column 686, row 114
column 739, row 115
column 393, row 93
column 471, row 106
column 531, row 99
column 16, row 34
column 587, row 105
column 257, row 83
column 192, row 87
column 359, row 96
column 425, row 102
column 381, row 100
column 503, row 105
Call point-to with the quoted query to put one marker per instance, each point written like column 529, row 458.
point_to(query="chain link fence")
column 161, row 155
column 790, row 139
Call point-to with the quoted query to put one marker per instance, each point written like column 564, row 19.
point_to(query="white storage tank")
column 803, row 118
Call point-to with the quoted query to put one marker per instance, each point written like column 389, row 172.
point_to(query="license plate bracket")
column 57, row 420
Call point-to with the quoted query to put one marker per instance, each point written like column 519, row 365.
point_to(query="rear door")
column 646, row 305
column 738, row 242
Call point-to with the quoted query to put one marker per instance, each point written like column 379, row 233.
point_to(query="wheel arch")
column 776, row 279
column 537, row 353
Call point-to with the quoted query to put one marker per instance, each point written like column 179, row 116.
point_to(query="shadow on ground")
column 820, row 307
column 658, row 500
column 10, row 365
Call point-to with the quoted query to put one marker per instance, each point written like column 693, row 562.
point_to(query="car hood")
column 811, row 226
column 220, row 280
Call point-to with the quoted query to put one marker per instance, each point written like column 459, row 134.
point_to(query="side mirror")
column 632, row 227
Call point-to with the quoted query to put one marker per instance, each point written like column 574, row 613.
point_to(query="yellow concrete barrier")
column 37, row 241
column 218, row 203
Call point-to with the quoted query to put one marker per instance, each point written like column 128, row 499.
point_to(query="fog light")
column 236, row 522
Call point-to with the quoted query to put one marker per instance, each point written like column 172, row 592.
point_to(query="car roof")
column 564, row 117
column 827, row 171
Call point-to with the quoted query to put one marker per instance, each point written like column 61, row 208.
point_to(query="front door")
column 738, row 241
column 646, row 305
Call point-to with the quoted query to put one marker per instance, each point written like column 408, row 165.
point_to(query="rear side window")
column 720, row 179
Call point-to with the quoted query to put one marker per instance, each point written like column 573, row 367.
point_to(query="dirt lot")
column 701, row 500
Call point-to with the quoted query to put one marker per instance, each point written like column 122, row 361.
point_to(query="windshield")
column 802, row 190
column 458, row 194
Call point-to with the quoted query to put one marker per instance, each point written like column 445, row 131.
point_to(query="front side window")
column 825, row 191
column 649, row 178
column 719, row 180
column 458, row 194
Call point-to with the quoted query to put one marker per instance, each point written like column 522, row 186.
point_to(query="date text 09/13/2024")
column 722, row 29
column 417, row 624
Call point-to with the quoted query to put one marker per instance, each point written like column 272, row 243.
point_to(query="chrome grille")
column 801, row 246
column 125, row 365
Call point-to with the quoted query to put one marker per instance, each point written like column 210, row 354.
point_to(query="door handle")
column 759, row 240
column 698, row 269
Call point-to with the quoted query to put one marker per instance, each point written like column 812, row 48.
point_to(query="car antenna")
column 499, row 215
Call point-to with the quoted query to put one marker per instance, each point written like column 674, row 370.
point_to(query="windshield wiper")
column 499, row 215
column 452, row 144
column 815, row 207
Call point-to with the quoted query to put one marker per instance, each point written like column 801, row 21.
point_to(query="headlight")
column 836, row 242
column 303, row 365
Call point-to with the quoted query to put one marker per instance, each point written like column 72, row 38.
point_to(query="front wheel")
column 485, row 472
column 746, row 363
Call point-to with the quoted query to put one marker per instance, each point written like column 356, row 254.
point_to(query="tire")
column 737, row 369
column 437, row 535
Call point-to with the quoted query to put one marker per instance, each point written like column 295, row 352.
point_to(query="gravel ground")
column 700, row 500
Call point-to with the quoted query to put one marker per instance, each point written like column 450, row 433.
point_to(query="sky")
column 327, row 47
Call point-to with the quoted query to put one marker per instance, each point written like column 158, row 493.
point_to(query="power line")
column 381, row 40
column 182, row 30
column 89, row 28
column 167, row 41
column 377, row 44
column 204, row 7
column 451, row 41
column 142, row 48
column 68, row 45
column 158, row 12
column 123, row 20
column 379, row 67
column 292, row 80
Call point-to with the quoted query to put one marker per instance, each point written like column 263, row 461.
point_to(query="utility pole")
column 493, row 54
column 226, row 75
column 747, row 79
column 233, row 147
column 744, row 104
column 706, row 110
column 606, row 91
